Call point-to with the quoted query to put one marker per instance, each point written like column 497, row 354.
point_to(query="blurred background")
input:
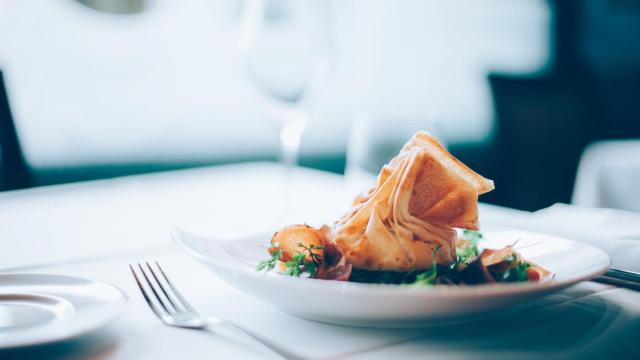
column 541, row 96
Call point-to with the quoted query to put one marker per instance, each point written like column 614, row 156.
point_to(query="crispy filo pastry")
column 409, row 216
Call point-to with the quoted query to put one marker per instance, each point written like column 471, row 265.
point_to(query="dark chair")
column 542, row 126
column 14, row 173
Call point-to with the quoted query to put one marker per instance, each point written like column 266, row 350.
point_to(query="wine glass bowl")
column 286, row 47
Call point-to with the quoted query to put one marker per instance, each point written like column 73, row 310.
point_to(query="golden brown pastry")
column 420, row 196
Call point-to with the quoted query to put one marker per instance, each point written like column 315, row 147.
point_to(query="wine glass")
column 286, row 50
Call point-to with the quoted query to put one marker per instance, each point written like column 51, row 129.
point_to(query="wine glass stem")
column 290, row 136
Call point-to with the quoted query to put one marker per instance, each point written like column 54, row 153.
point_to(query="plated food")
column 234, row 259
column 418, row 225
column 403, row 254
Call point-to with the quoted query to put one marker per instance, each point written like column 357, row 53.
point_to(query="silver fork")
column 168, row 304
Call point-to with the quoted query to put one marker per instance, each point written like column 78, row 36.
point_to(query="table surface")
column 95, row 229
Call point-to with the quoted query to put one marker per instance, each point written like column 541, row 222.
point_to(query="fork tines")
column 172, row 308
column 158, row 291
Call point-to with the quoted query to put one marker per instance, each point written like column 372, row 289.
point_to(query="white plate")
column 37, row 309
column 380, row 305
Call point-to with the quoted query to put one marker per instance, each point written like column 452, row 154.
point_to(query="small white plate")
column 37, row 309
column 380, row 305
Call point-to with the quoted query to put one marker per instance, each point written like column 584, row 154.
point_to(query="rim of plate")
column 347, row 288
column 76, row 331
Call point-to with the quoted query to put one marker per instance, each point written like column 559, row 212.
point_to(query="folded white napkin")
column 616, row 232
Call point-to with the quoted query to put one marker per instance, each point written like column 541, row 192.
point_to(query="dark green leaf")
column 428, row 277
column 516, row 274
column 311, row 268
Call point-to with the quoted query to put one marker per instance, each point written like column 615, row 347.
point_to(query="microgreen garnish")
column 293, row 266
column 271, row 262
column 472, row 236
column 299, row 262
column 516, row 273
column 429, row 276
column 466, row 254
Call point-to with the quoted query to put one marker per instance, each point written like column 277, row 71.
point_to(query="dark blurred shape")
column 14, row 172
column 607, row 45
column 543, row 124
column 592, row 92
column 120, row 7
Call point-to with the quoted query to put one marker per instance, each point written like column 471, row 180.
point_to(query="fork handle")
column 621, row 278
column 263, row 343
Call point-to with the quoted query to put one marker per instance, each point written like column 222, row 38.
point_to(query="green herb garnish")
column 293, row 266
column 465, row 255
column 474, row 237
column 299, row 264
column 428, row 277
column 517, row 273
column 271, row 262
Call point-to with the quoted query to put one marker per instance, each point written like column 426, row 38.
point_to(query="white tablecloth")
column 95, row 229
